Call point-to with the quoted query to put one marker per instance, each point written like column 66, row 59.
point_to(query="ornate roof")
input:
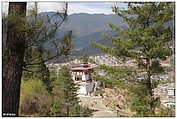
column 82, row 67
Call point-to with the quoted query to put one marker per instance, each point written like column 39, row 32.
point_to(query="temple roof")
column 82, row 67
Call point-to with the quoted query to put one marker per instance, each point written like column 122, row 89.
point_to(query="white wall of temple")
column 82, row 89
column 85, row 77
column 86, row 87
column 73, row 76
column 82, row 85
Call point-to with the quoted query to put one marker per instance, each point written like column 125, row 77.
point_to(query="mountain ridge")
column 86, row 28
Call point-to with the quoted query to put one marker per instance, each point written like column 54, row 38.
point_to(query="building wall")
column 169, row 104
column 171, row 92
column 82, row 74
column 82, row 85
column 85, row 77
column 82, row 89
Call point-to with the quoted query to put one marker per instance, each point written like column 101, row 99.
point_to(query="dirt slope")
column 96, row 104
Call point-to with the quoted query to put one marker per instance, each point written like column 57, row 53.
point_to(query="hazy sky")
column 74, row 7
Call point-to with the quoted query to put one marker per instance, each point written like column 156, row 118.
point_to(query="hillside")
column 114, row 102
column 85, row 28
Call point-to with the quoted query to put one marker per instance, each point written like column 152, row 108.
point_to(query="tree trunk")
column 150, row 89
column 13, row 59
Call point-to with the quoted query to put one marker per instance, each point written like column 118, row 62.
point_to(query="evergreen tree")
column 13, row 59
column 146, row 40
column 65, row 101
column 38, row 71
column 22, row 33
column 65, row 94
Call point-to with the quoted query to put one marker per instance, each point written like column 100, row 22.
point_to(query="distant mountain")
column 83, row 44
column 85, row 24
column 86, row 28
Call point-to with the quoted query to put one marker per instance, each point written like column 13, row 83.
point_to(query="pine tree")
column 13, row 59
column 39, row 71
column 65, row 92
column 146, row 40
column 22, row 33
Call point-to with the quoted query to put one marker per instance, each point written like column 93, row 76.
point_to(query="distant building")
column 169, row 103
column 171, row 91
column 167, row 94
column 81, row 74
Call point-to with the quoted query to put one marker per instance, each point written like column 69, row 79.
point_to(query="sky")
column 74, row 7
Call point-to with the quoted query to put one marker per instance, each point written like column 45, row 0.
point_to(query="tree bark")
column 13, row 59
column 150, row 88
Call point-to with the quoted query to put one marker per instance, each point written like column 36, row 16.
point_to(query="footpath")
column 95, row 103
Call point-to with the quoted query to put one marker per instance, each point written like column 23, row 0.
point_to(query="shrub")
column 34, row 99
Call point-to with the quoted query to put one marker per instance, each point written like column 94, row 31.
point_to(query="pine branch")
column 27, row 70
column 48, row 59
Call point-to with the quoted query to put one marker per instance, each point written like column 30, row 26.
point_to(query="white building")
column 81, row 74
column 171, row 91
column 169, row 103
